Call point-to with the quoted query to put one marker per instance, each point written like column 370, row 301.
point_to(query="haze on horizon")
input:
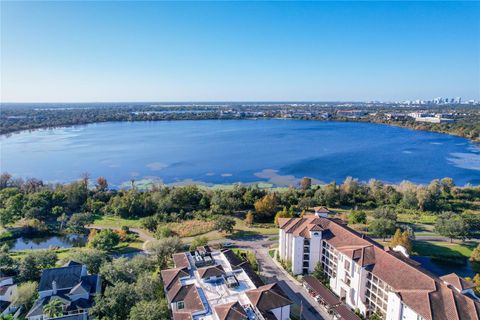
column 239, row 51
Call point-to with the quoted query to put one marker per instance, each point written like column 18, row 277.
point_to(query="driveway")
column 296, row 293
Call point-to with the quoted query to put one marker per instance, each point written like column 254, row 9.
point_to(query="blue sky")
column 239, row 51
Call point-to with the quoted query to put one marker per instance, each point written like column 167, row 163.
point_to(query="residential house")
column 7, row 293
column 72, row 286
column 218, row 285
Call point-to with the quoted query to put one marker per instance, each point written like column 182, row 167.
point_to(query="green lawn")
column 441, row 248
column 115, row 222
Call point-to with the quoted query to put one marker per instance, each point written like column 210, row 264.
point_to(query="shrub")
column 163, row 232
column 104, row 240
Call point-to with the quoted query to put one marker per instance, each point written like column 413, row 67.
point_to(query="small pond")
column 45, row 242
column 469, row 269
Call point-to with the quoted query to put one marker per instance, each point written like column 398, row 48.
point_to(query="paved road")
column 296, row 293
column 141, row 234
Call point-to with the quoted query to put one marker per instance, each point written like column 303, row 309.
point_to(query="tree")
column 116, row 302
column 396, row 239
column 150, row 223
column 149, row 287
column 249, row 218
column 12, row 210
column 198, row 242
column 31, row 265
column 383, row 223
column 265, row 207
column 54, row 308
column 476, row 282
column 319, row 274
column 150, row 310
column 452, row 226
column 63, row 218
column 163, row 249
column 92, row 258
column 105, row 240
column 401, row 239
column 225, row 224
column 305, row 183
column 27, row 270
column 78, row 221
column 102, row 184
column 406, row 242
column 163, row 232
column 475, row 254
column 26, row 294
column 7, row 264
column 44, row 259
column 252, row 259
column 375, row 316
column 356, row 217
column 283, row 214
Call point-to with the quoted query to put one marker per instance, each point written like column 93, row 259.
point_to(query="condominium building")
column 217, row 285
column 368, row 277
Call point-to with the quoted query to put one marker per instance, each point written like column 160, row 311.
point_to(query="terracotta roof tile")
column 188, row 294
column 231, row 311
column 268, row 297
column 458, row 282
column 170, row 276
column 181, row 260
column 211, row 271
column 428, row 295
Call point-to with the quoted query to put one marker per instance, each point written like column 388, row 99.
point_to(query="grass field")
column 441, row 248
column 115, row 222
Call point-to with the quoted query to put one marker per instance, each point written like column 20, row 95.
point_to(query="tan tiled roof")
column 322, row 210
column 188, row 294
column 181, row 260
column 458, row 282
column 300, row 226
column 428, row 295
column 182, row 316
column 170, row 276
column 268, row 297
column 231, row 311
column 211, row 271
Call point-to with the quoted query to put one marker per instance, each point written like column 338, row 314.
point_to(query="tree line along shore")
column 17, row 118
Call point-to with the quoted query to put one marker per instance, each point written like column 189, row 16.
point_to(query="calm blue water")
column 469, row 269
column 66, row 241
column 274, row 151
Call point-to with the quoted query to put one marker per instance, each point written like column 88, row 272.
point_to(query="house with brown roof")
column 220, row 287
column 270, row 299
column 8, row 289
column 368, row 277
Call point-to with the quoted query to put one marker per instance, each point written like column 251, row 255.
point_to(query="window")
column 347, row 265
column 180, row 305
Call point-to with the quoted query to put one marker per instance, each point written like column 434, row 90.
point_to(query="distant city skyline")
column 239, row 51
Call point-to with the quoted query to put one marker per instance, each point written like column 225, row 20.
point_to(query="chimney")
column 54, row 287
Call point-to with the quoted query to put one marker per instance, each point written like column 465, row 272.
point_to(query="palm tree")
column 54, row 308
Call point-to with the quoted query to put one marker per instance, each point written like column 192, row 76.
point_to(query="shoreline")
column 394, row 124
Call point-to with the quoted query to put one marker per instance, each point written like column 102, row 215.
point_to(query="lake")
column 469, row 269
column 276, row 152
column 45, row 242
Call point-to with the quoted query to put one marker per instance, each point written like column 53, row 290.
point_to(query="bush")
column 198, row 242
column 105, row 240
column 163, row 232
column 357, row 217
